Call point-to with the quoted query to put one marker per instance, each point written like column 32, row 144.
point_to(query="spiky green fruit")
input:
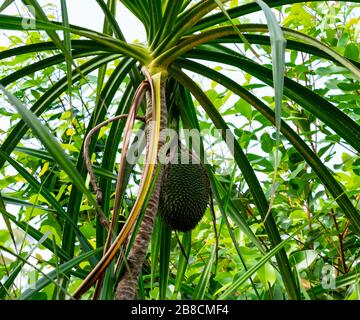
column 184, row 196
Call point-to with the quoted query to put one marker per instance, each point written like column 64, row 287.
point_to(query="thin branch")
column 87, row 157
column 139, row 95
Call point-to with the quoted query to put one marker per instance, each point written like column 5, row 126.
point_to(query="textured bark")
column 128, row 285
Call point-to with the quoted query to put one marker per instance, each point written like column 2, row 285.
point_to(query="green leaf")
column 231, row 287
column 249, row 175
column 43, row 154
column 67, row 44
column 348, row 86
column 342, row 124
column 36, row 234
column 11, row 278
column 47, row 196
column 317, row 165
column 203, row 283
column 165, row 242
column 135, row 51
column 51, row 144
column 6, row 4
column 167, row 22
column 45, row 101
column 244, row 10
column 110, row 18
column 267, row 275
column 352, row 51
column 7, row 221
column 278, row 44
column 182, row 262
column 51, row 276
column 303, row 259
column 246, row 43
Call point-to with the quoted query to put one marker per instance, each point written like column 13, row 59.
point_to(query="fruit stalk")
column 128, row 285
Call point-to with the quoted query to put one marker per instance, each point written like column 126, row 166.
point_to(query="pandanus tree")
column 157, row 92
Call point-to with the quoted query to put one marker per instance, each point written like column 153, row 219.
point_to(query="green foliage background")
column 40, row 257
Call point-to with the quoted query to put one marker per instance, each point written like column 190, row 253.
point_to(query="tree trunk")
column 128, row 285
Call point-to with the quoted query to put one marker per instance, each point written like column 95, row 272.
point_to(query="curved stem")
column 143, row 189
column 139, row 95
column 127, row 286
column 128, row 127
column 86, row 152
